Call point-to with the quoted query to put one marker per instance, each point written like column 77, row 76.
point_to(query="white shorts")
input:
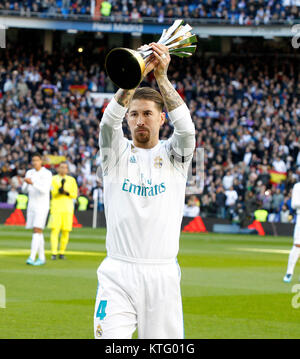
column 134, row 296
column 36, row 218
column 297, row 235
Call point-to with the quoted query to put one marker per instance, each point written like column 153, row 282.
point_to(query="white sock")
column 34, row 245
column 293, row 257
column 41, row 248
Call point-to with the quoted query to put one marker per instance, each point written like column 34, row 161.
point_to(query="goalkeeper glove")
column 62, row 191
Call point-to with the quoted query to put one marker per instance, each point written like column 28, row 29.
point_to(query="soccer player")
column 295, row 251
column 37, row 183
column 64, row 192
column 144, row 190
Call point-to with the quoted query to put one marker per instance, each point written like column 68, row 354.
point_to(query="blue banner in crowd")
column 80, row 25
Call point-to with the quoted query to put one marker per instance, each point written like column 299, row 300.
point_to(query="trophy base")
column 125, row 67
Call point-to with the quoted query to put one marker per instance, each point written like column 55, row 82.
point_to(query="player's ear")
column 162, row 118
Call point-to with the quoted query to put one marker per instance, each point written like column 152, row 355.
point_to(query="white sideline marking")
column 23, row 252
column 264, row 250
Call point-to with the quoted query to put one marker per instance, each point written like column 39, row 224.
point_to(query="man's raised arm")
column 111, row 138
column 182, row 142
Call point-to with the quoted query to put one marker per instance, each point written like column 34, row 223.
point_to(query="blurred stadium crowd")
column 250, row 12
column 246, row 111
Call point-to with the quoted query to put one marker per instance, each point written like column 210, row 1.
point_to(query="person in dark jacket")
column 250, row 205
column 220, row 202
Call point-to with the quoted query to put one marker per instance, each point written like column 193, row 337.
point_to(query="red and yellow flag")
column 277, row 177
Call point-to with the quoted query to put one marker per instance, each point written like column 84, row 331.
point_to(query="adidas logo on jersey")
column 132, row 159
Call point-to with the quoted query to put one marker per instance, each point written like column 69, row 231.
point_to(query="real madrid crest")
column 133, row 149
column 158, row 162
column 99, row 331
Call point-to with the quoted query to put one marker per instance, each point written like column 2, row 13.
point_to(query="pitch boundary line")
column 23, row 252
column 264, row 250
column 47, row 235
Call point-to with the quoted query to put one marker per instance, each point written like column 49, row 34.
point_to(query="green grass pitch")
column 231, row 286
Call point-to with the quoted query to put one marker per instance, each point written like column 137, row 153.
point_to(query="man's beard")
column 142, row 137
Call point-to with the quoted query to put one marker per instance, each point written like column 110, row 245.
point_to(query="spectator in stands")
column 238, row 215
column 135, row 16
column 228, row 180
column 82, row 203
column 277, row 200
column 242, row 12
column 65, row 4
column 220, row 202
column 17, row 180
column 264, row 176
column 261, row 214
column 264, row 197
column 285, row 216
column 207, row 208
column 192, row 207
column 97, row 196
column 231, row 200
column 250, row 204
column 106, row 8
column 3, row 190
column 279, row 165
column 12, row 195
column 247, row 156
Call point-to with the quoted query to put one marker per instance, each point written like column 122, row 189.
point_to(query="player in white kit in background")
column 144, row 190
column 37, row 183
column 295, row 251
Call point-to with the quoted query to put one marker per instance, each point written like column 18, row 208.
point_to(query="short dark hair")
column 37, row 154
column 148, row 93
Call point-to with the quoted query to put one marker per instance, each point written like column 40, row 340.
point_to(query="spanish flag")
column 277, row 177
column 53, row 160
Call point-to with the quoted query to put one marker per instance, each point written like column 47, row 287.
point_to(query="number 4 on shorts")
column 101, row 309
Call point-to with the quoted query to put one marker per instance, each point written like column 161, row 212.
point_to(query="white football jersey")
column 296, row 201
column 39, row 191
column 144, row 189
